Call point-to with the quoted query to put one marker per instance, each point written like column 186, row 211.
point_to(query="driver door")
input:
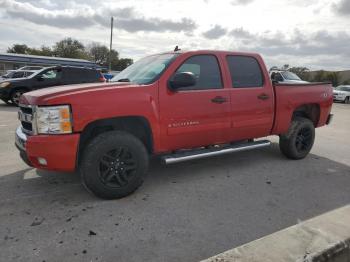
column 47, row 78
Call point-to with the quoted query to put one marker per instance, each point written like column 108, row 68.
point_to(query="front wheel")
column 297, row 143
column 114, row 165
column 7, row 102
column 15, row 95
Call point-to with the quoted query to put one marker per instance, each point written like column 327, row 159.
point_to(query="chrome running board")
column 203, row 153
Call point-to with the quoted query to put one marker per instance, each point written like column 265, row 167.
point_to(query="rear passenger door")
column 72, row 76
column 252, row 97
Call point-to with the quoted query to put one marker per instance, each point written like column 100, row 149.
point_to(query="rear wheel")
column 347, row 100
column 15, row 95
column 114, row 165
column 297, row 143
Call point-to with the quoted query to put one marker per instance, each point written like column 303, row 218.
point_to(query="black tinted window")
column 80, row 75
column 245, row 71
column 206, row 71
column 18, row 75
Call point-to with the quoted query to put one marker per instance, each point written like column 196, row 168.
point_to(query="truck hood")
column 43, row 96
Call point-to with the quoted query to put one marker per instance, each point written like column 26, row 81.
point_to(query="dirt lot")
column 183, row 212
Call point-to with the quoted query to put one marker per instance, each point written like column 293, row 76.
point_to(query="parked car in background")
column 12, row 89
column 285, row 77
column 177, row 106
column 16, row 74
column 342, row 94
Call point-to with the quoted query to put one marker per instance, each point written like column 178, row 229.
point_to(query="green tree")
column 346, row 82
column 285, row 67
column 99, row 53
column 122, row 64
column 70, row 48
column 320, row 76
column 302, row 72
column 333, row 77
column 43, row 51
column 18, row 49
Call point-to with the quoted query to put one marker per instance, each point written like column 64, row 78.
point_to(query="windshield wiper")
column 123, row 80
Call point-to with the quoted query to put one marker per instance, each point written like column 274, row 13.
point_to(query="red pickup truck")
column 178, row 105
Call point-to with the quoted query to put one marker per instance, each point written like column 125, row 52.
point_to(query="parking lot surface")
column 183, row 212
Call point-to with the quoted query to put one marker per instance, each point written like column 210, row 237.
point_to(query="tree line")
column 72, row 48
column 318, row 76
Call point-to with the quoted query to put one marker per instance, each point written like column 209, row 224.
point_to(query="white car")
column 342, row 93
column 286, row 77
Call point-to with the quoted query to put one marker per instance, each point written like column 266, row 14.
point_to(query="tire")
column 7, row 102
column 298, row 142
column 114, row 165
column 347, row 100
column 15, row 95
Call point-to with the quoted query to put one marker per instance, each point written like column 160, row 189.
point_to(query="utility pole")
column 110, row 46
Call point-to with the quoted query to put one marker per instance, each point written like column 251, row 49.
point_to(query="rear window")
column 83, row 74
column 245, row 71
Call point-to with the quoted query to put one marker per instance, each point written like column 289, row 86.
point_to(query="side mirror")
column 183, row 79
column 40, row 78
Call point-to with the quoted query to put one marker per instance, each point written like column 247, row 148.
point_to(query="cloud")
column 85, row 16
column 241, row 2
column 240, row 33
column 314, row 48
column 216, row 32
column 342, row 7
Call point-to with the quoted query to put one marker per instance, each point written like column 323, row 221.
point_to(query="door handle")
column 219, row 100
column 263, row 96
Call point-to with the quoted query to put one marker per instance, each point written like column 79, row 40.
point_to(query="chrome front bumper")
column 20, row 139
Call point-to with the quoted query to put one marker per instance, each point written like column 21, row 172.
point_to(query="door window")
column 206, row 70
column 245, row 71
column 52, row 74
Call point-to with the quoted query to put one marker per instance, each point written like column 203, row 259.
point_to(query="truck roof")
column 211, row 51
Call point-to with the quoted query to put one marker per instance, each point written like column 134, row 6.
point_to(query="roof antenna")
column 177, row 49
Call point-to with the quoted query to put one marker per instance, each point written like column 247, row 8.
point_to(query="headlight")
column 5, row 84
column 53, row 120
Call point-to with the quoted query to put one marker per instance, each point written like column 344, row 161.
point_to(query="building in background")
column 10, row 61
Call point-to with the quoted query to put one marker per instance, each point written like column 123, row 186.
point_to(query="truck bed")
column 288, row 97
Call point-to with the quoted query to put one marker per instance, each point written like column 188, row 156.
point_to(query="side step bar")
column 202, row 153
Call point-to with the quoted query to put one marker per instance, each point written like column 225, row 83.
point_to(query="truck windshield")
column 146, row 70
column 290, row 76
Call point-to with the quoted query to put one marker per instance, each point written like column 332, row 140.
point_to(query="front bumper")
column 59, row 151
column 339, row 98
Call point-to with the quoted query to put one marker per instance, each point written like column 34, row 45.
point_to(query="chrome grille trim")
column 26, row 115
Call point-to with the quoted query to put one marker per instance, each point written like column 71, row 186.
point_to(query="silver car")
column 342, row 94
column 286, row 77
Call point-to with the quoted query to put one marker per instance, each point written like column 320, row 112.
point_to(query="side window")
column 245, row 71
column 206, row 71
column 52, row 74
column 18, row 75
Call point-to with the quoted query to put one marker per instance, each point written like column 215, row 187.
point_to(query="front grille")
column 27, row 126
column 26, row 109
column 25, row 115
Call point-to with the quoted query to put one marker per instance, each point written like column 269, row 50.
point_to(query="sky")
column 310, row 33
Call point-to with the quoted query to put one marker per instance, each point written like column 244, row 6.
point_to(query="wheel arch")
column 138, row 126
column 309, row 111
